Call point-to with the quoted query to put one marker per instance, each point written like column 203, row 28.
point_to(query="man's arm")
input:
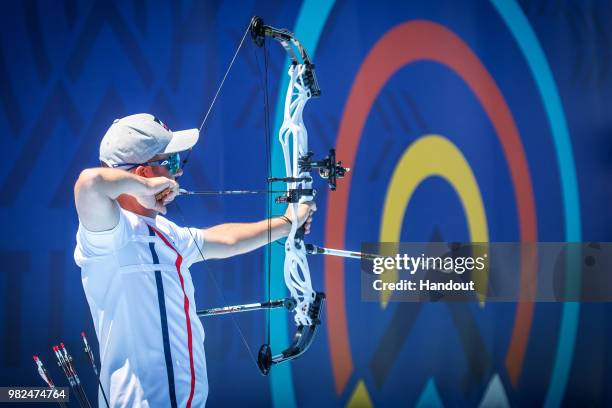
column 97, row 189
column 226, row 240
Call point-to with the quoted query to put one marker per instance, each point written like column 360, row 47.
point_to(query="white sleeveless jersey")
column 141, row 297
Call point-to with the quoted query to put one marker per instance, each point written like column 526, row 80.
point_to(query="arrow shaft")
column 228, row 192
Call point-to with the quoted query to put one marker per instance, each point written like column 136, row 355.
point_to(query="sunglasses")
column 172, row 163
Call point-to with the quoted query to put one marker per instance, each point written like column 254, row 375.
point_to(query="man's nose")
column 179, row 173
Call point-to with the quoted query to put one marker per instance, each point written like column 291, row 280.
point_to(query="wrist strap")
column 287, row 220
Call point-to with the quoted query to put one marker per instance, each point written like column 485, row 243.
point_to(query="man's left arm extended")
column 226, row 240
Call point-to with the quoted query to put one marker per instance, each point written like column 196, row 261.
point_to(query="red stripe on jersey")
column 179, row 260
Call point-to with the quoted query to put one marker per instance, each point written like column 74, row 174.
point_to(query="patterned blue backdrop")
column 519, row 89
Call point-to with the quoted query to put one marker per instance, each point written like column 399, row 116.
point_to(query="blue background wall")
column 68, row 69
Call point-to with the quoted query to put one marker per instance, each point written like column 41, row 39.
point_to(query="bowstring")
column 268, row 143
column 177, row 206
column 270, row 202
column 217, row 286
column 225, row 76
column 263, row 83
column 214, row 100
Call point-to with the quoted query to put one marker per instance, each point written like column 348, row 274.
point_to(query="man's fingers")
column 168, row 195
column 163, row 194
column 304, row 213
column 159, row 185
column 159, row 196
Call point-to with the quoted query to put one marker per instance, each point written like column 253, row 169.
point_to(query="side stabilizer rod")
column 287, row 303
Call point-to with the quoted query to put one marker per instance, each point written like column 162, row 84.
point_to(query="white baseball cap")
column 137, row 138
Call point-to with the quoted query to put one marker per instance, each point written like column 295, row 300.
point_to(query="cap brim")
column 182, row 140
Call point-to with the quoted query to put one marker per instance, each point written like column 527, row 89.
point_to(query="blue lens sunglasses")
column 172, row 163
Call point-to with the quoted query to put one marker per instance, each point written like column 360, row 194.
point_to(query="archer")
column 135, row 264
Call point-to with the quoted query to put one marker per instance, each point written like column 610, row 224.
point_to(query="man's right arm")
column 97, row 189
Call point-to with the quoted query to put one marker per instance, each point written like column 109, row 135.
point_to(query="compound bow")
column 305, row 302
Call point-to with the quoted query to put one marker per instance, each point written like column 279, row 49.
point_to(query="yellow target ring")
column 430, row 156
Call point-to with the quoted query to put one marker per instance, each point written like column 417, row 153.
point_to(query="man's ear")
column 141, row 171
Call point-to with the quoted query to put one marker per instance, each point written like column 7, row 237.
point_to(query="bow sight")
column 329, row 169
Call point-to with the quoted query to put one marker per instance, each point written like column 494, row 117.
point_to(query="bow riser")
column 293, row 138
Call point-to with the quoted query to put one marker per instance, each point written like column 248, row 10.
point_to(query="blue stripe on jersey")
column 164, row 322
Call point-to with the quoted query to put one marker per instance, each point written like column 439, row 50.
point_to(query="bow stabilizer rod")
column 316, row 250
column 287, row 303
